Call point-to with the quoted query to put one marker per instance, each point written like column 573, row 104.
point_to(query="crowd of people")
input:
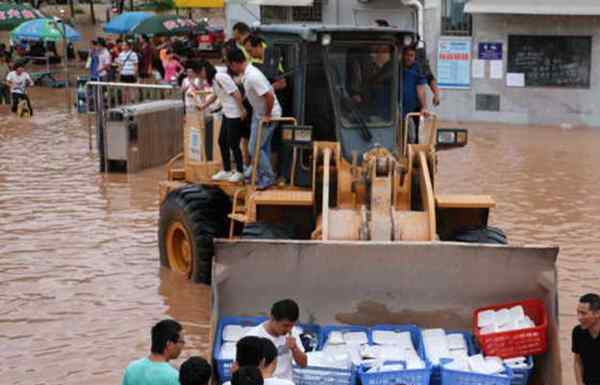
column 264, row 356
column 133, row 60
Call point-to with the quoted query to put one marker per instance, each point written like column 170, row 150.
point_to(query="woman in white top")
column 191, row 86
column 234, row 112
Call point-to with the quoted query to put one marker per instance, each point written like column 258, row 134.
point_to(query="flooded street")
column 80, row 283
column 79, row 279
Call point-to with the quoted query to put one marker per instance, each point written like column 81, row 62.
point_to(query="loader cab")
column 343, row 81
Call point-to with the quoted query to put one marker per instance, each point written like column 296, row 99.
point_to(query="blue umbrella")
column 123, row 23
column 45, row 30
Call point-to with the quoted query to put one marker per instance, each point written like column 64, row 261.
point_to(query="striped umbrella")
column 164, row 25
column 12, row 15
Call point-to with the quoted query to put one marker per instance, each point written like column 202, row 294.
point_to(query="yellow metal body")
column 371, row 201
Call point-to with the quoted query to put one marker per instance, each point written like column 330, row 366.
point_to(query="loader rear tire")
column 190, row 218
column 489, row 235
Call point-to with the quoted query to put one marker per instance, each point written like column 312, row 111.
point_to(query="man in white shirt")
column 280, row 330
column 19, row 80
column 128, row 64
column 265, row 106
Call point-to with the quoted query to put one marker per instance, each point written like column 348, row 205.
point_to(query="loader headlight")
column 448, row 138
column 408, row 40
column 326, row 40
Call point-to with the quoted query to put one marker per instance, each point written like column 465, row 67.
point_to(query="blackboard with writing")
column 551, row 61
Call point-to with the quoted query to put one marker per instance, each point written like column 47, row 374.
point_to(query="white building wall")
column 340, row 12
column 356, row 13
column 235, row 13
column 530, row 105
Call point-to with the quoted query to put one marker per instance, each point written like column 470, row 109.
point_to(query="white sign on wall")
column 454, row 63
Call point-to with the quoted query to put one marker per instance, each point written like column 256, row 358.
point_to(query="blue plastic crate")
column 405, row 377
column 415, row 335
column 224, row 366
column 436, row 373
column 325, row 330
column 312, row 375
column 455, row 377
column 521, row 376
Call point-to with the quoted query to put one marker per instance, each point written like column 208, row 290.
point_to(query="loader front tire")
column 489, row 235
column 190, row 218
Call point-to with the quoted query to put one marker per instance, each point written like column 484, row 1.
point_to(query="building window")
column 455, row 22
column 270, row 14
column 311, row 14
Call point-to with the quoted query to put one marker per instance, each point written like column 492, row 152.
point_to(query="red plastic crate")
column 517, row 342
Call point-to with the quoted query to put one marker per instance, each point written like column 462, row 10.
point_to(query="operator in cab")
column 280, row 330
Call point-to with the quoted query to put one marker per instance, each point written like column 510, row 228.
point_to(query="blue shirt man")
column 413, row 84
column 413, row 91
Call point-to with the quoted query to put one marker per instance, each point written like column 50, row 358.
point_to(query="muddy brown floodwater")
column 80, row 283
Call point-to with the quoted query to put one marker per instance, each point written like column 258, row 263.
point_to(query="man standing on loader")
column 414, row 98
column 241, row 31
column 265, row 106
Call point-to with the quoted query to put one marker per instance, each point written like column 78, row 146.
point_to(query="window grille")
column 455, row 22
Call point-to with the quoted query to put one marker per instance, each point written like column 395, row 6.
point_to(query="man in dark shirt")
column 431, row 81
column 586, row 341
column 413, row 90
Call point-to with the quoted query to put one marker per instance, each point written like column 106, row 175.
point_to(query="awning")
column 199, row 3
column 535, row 7
column 282, row 3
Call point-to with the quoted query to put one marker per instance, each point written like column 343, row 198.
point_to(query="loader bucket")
column 430, row 284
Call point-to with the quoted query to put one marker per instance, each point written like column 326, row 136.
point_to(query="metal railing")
column 101, row 97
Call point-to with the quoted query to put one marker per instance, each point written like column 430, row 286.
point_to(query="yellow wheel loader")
column 355, row 231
